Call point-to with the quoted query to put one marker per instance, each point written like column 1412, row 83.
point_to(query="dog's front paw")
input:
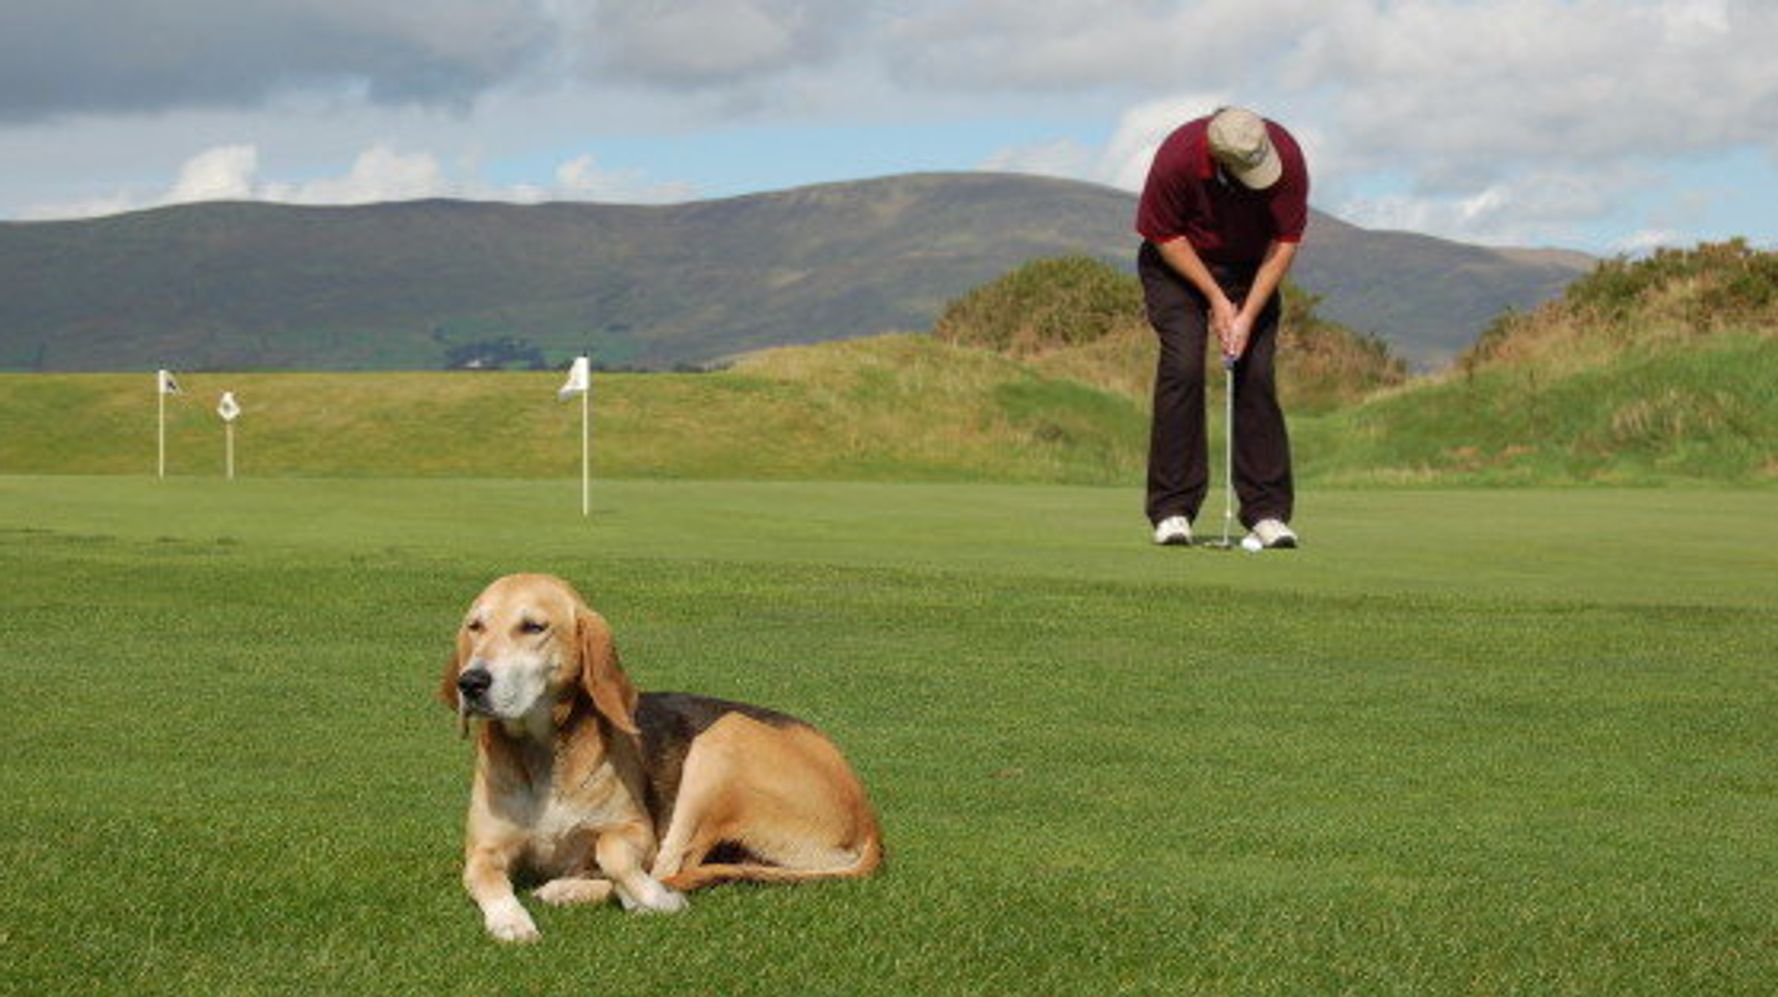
column 668, row 901
column 655, row 899
column 573, row 890
column 508, row 922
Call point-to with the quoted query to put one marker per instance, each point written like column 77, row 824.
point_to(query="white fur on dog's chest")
column 562, row 834
column 560, row 837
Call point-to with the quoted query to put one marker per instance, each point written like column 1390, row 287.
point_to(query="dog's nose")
column 474, row 682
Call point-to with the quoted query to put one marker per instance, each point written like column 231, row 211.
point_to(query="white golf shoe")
column 1174, row 531
column 1273, row 533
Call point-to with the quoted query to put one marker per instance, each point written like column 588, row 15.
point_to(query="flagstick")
column 231, row 449
column 586, row 450
column 160, row 465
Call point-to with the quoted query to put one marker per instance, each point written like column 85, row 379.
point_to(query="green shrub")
column 1684, row 293
column 1057, row 302
column 1717, row 281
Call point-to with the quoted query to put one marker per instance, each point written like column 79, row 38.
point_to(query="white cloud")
column 581, row 179
column 1124, row 159
column 1024, row 45
column 1645, row 241
column 224, row 173
column 1141, row 130
column 1504, row 121
column 1466, row 91
column 1694, row 20
column 378, row 173
column 1060, row 158
column 95, row 207
column 1534, row 207
column 1481, row 212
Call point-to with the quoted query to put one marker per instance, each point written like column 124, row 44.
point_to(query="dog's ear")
column 447, row 687
column 601, row 675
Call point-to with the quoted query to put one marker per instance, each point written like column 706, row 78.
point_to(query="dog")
column 596, row 789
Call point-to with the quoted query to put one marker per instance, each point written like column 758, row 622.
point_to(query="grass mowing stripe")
column 1634, row 546
column 1122, row 771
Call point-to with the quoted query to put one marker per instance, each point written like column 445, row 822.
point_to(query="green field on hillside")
column 886, row 408
column 1462, row 741
column 908, row 408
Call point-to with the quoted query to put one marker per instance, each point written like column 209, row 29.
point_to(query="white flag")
column 228, row 408
column 165, row 384
column 579, row 380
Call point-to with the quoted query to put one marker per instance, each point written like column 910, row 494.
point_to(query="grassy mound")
column 1646, row 371
column 1644, row 417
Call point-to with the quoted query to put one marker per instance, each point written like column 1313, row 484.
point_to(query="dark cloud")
column 62, row 57
column 698, row 44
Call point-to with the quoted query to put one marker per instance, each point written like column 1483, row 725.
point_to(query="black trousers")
column 1178, row 444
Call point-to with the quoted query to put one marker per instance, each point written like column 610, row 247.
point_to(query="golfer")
column 1221, row 217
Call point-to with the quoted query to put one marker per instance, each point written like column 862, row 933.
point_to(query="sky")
column 1609, row 126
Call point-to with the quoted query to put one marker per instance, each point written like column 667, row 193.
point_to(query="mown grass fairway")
column 1475, row 741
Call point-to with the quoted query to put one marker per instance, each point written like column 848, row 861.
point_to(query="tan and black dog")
column 596, row 789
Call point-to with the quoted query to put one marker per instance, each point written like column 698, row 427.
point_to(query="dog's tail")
column 868, row 859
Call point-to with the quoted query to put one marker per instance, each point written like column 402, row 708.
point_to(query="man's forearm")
column 1279, row 256
column 1185, row 261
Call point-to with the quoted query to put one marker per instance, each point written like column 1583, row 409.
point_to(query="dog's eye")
column 473, row 626
column 533, row 627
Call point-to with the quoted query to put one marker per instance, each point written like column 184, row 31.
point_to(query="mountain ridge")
column 423, row 284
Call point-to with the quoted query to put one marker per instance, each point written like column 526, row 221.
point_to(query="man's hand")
column 1234, row 340
column 1222, row 318
column 1279, row 256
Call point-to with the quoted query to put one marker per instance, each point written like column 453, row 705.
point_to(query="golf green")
column 1461, row 741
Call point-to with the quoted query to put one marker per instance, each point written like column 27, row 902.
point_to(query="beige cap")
column 1239, row 142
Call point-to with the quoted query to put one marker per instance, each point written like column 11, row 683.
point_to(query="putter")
column 1228, row 455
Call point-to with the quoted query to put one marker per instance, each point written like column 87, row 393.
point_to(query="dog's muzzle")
column 472, row 692
column 473, row 684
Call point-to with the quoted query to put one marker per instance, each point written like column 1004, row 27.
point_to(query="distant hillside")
column 430, row 284
column 1428, row 298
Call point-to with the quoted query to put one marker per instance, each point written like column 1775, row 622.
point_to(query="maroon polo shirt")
column 1225, row 222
